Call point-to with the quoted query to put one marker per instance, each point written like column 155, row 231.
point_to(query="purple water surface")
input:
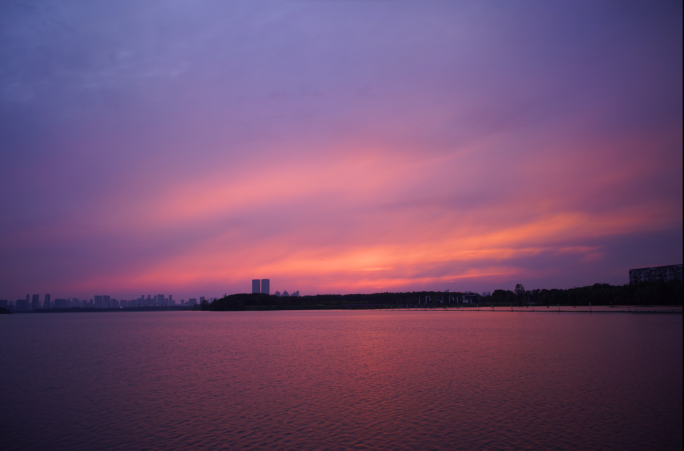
column 340, row 380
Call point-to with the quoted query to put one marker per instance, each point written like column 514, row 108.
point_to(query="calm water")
column 340, row 380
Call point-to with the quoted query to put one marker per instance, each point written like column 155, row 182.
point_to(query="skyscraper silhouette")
column 256, row 286
column 266, row 286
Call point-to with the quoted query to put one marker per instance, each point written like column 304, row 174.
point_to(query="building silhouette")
column 22, row 305
column 46, row 303
column 256, row 286
column 655, row 274
column 35, row 302
column 266, row 286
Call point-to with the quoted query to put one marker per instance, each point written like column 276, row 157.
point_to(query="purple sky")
column 336, row 146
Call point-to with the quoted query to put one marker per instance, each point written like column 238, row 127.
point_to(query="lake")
column 370, row 380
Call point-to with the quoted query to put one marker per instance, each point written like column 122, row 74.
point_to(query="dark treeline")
column 649, row 293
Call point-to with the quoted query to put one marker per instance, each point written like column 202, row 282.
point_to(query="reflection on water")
column 340, row 380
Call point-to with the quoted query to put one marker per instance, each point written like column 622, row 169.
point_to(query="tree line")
column 647, row 293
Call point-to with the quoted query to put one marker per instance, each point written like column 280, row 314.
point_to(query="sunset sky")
column 336, row 146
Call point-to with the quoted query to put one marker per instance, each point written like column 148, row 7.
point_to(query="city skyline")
column 666, row 274
column 337, row 147
column 663, row 273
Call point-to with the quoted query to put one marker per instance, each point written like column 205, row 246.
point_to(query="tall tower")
column 266, row 286
column 46, row 304
column 256, row 286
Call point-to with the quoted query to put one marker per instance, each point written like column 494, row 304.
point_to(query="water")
column 340, row 380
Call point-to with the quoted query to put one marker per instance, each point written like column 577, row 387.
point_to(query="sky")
column 336, row 146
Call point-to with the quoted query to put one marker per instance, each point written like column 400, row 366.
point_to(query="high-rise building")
column 98, row 302
column 266, row 286
column 256, row 286
column 35, row 302
column 658, row 273
column 106, row 302
column 46, row 304
column 21, row 305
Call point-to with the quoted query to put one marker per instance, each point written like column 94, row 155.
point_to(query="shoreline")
column 639, row 309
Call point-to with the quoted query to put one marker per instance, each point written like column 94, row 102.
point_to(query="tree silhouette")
column 520, row 292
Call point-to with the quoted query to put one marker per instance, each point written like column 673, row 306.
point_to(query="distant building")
column 256, row 286
column 486, row 293
column 277, row 293
column 655, row 274
column 295, row 294
column 285, row 294
column 266, row 286
column 192, row 301
column 98, row 302
column 22, row 305
column 35, row 302
column 106, row 302
column 46, row 303
column 470, row 298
